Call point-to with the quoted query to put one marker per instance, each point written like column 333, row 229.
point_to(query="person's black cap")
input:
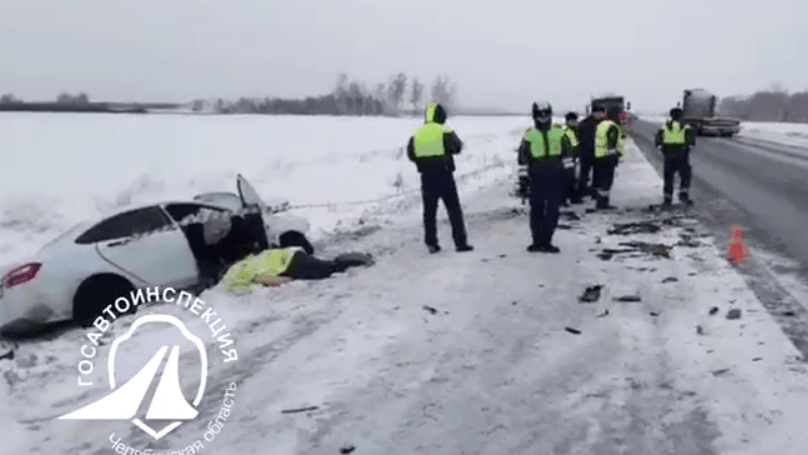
column 571, row 116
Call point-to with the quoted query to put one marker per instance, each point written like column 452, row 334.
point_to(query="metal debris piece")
column 628, row 298
column 573, row 331
column 603, row 315
column 757, row 359
column 654, row 313
column 670, row 279
column 643, row 227
column 734, row 313
column 297, row 410
column 430, row 309
column 721, row 372
column 591, row 294
column 347, row 448
column 713, row 311
column 700, row 330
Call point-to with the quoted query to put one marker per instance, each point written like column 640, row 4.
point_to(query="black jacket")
column 670, row 149
column 586, row 137
column 452, row 145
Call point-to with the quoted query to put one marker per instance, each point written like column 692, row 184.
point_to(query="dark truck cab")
column 698, row 107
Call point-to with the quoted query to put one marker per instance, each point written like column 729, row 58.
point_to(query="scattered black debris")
column 608, row 253
column 591, row 294
column 570, row 216
column 721, row 372
column 628, row 298
column 713, row 311
column 700, row 330
column 503, row 255
column 598, row 241
column 347, row 448
column 734, row 313
column 590, row 210
column 565, row 227
column 643, row 227
column 670, row 279
column 688, row 241
column 297, row 410
column 603, row 315
column 573, row 331
column 655, row 249
column 8, row 355
column 430, row 309
column 513, row 303
column 654, row 313
column 483, row 260
column 692, row 274
column 789, row 313
column 757, row 359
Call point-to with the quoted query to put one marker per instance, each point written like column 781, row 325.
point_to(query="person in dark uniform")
column 543, row 149
column 431, row 148
column 586, row 158
column 609, row 147
column 674, row 140
column 571, row 163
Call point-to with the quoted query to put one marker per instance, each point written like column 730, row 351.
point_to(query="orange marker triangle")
column 737, row 252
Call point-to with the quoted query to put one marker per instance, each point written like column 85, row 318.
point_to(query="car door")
column 249, row 197
column 145, row 243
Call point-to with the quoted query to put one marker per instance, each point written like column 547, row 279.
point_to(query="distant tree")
column 774, row 104
column 8, row 98
column 397, row 89
column 67, row 98
column 443, row 91
column 416, row 92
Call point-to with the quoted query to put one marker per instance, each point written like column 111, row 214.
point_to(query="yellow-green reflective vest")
column 535, row 138
column 244, row 273
column 675, row 134
column 428, row 140
column 602, row 141
column 571, row 135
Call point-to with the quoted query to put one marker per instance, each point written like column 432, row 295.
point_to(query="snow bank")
column 782, row 133
column 71, row 167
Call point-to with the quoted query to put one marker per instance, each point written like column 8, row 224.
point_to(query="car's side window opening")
column 126, row 224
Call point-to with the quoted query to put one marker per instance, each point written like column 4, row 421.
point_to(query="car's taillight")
column 22, row 274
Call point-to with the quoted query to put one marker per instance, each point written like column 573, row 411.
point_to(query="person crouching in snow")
column 276, row 266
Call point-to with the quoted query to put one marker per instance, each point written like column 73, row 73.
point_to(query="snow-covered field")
column 446, row 354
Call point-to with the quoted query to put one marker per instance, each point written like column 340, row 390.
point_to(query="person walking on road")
column 609, row 147
column 431, row 148
column 586, row 158
column 571, row 163
column 674, row 140
column 543, row 149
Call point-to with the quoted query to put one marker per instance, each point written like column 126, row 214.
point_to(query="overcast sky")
column 504, row 53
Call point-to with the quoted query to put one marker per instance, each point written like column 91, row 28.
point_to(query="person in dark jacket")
column 544, row 148
column 674, row 140
column 586, row 158
column 571, row 163
column 432, row 148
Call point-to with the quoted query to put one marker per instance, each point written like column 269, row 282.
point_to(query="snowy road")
column 487, row 352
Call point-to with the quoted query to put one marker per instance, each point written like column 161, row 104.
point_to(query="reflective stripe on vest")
column 571, row 135
column 270, row 262
column 428, row 140
column 535, row 138
column 602, row 140
column 674, row 134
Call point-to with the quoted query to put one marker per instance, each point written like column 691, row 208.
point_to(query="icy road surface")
column 488, row 352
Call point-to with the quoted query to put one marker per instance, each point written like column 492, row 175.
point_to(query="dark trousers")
column 678, row 163
column 304, row 266
column 435, row 187
column 604, row 178
column 547, row 188
column 570, row 184
column 583, row 189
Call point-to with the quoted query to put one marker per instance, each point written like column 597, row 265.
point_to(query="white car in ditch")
column 85, row 269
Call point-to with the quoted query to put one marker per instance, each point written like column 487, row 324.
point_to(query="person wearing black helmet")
column 431, row 148
column 674, row 140
column 544, row 148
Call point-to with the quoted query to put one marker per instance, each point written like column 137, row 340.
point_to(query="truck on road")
column 698, row 107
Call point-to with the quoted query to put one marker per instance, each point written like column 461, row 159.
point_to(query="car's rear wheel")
column 294, row 238
column 95, row 293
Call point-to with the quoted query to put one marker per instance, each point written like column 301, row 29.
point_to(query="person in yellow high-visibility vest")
column 544, row 148
column 609, row 147
column 674, row 140
column 275, row 266
column 431, row 148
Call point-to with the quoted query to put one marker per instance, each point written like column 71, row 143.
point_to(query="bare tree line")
column 401, row 94
column 773, row 105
